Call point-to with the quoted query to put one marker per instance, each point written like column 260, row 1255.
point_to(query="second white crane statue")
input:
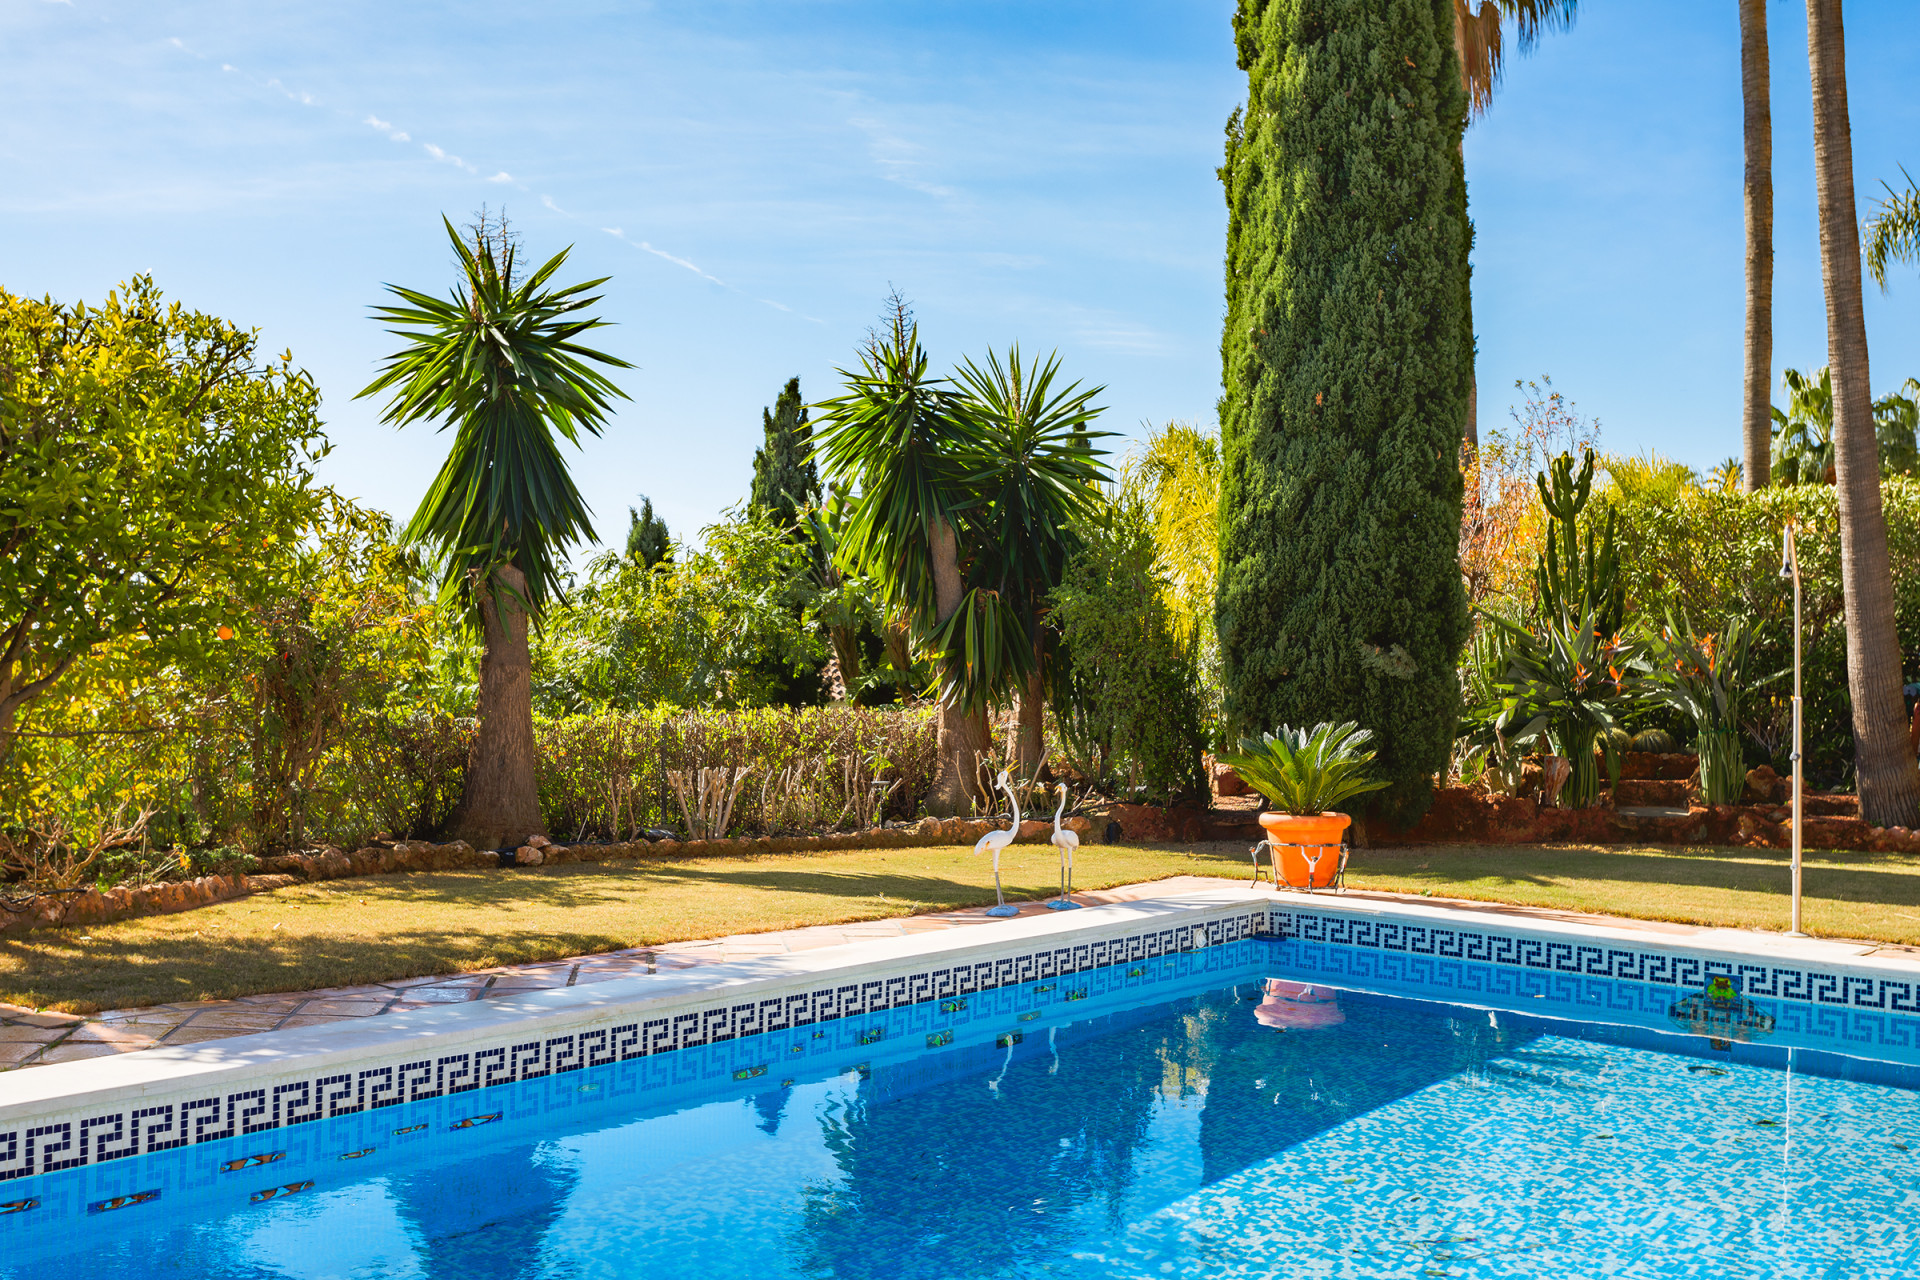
column 996, row 841
column 1066, row 842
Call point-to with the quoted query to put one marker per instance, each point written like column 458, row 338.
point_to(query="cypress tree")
column 784, row 477
column 648, row 541
column 1347, row 356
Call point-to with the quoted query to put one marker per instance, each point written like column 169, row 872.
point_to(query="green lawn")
column 1872, row 896
column 380, row 928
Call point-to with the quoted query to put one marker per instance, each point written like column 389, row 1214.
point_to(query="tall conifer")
column 784, row 477
column 1347, row 357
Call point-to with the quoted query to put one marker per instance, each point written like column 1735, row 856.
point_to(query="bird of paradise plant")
column 1568, row 682
column 1705, row 677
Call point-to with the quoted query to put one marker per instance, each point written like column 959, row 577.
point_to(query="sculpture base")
column 1062, row 904
column 1004, row 909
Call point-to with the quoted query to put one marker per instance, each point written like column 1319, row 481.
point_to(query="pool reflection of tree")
column 492, row 1224
column 968, row 1179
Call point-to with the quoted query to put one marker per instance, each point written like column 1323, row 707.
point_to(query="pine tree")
column 1347, row 358
column 647, row 538
column 784, row 478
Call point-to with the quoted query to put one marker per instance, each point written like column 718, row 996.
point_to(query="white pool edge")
column 212, row 1089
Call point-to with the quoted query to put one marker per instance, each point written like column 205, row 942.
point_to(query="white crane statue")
column 1066, row 842
column 996, row 841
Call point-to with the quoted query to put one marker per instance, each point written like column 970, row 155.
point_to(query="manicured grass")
column 380, row 928
column 1869, row 896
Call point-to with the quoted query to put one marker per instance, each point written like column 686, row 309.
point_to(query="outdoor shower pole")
column 1790, row 564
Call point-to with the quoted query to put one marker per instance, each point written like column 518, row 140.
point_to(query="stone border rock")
column 127, row 902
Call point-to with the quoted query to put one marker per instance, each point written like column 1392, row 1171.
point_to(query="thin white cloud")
column 897, row 157
column 548, row 201
column 383, row 126
column 502, row 176
column 448, row 156
column 403, row 137
column 675, row 259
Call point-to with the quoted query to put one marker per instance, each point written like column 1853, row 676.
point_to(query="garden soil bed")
column 1651, row 804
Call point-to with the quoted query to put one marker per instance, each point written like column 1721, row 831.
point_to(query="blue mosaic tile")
column 83, row 1140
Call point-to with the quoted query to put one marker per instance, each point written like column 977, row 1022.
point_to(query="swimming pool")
column 1260, row 1107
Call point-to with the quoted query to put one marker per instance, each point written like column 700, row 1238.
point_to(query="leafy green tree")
column 1347, row 355
column 1126, row 692
column 648, row 541
column 500, row 361
column 149, row 462
column 785, row 481
column 726, row 624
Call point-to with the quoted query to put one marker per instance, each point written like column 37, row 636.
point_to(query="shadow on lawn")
column 1889, row 879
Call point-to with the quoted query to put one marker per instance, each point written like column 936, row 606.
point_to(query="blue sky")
column 755, row 176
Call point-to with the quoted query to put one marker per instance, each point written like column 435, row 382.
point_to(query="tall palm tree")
column 1893, row 232
column 499, row 361
column 1480, row 43
column 1889, row 783
column 1036, row 479
column 1757, row 130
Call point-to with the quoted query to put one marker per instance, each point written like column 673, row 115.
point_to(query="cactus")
column 1657, row 741
column 1580, row 578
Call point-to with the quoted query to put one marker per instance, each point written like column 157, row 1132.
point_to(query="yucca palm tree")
column 1757, row 133
column 903, row 441
column 499, row 361
column 1893, row 232
column 1479, row 41
column 1036, row 479
column 1889, row 783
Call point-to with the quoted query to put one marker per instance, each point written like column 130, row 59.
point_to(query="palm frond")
column 1481, row 46
column 1893, row 232
column 499, row 363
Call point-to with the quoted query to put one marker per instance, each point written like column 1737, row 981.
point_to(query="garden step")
column 1655, row 792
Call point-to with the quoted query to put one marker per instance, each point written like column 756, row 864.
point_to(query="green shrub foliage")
column 1347, row 358
column 1127, row 692
column 1716, row 555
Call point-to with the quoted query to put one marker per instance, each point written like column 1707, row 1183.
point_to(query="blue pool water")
column 1259, row 1109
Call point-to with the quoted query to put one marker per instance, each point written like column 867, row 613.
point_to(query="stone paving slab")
column 30, row 1039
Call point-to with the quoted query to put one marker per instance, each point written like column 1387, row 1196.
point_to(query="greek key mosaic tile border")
column 75, row 1141
column 1598, row 960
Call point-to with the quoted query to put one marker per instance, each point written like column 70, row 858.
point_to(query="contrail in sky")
column 440, row 155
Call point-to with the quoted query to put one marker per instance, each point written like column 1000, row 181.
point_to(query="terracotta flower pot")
column 1299, row 839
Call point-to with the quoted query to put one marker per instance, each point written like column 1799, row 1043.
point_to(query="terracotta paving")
column 32, row 1039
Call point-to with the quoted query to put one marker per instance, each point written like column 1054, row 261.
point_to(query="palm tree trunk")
column 963, row 736
column 1032, row 745
column 1889, row 783
column 501, row 807
column 1756, row 420
column 846, row 651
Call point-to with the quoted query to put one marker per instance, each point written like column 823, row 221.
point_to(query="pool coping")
column 105, row 1108
column 28, row 1097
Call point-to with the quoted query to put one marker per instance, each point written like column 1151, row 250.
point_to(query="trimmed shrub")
column 1714, row 554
